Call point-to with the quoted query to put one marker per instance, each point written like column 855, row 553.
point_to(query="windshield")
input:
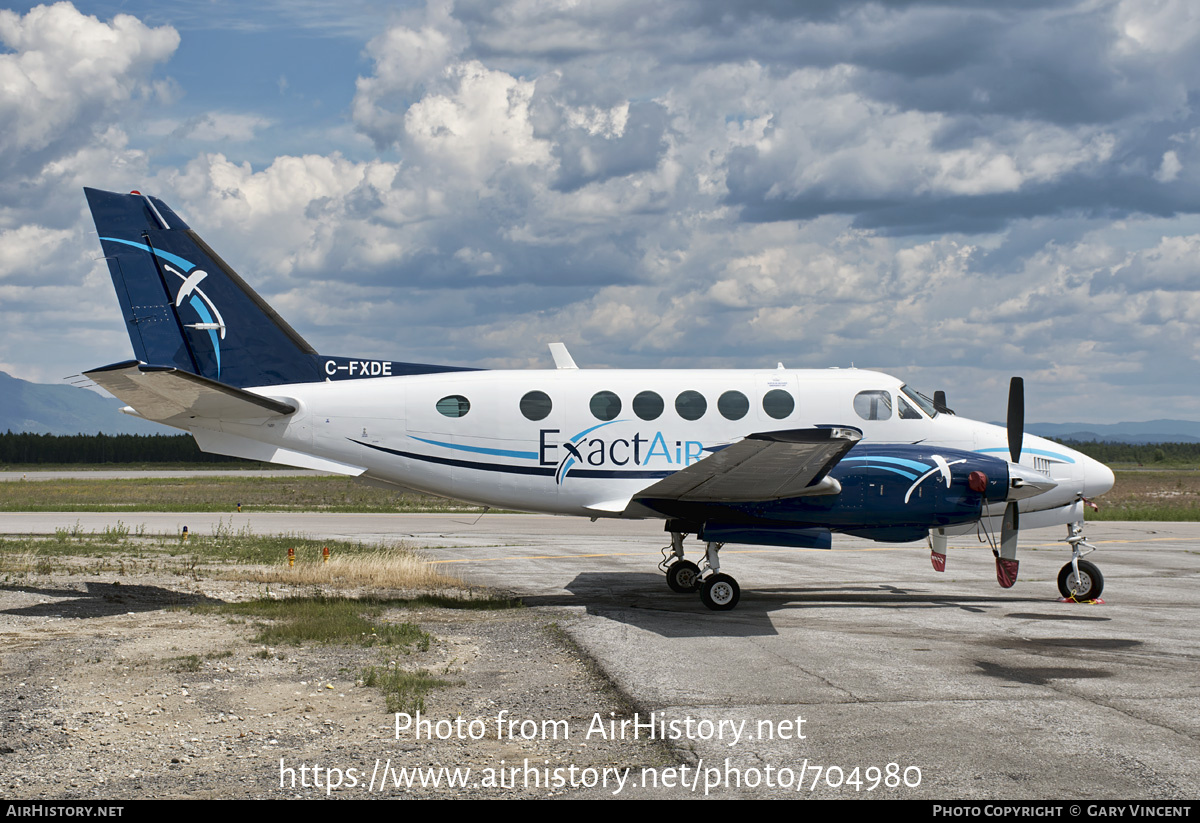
column 921, row 400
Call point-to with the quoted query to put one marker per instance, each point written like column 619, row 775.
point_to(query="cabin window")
column 605, row 405
column 454, row 406
column 648, row 405
column 691, row 405
column 536, row 405
column 778, row 404
column 873, row 405
column 733, row 405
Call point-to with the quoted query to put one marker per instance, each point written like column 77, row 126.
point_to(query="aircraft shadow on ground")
column 643, row 600
column 101, row 600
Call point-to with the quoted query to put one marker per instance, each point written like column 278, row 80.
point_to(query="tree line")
column 1145, row 454
column 29, row 448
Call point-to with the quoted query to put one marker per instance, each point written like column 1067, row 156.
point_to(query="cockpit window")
column 873, row 405
column 907, row 412
column 921, row 400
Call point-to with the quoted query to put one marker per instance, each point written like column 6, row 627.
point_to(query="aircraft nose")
column 1097, row 478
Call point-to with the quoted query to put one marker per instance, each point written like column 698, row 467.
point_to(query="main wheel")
column 683, row 576
column 1087, row 586
column 720, row 592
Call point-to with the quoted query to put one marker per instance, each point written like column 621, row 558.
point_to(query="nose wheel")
column 1080, row 579
column 1086, row 583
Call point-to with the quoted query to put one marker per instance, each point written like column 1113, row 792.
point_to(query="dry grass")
column 24, row 563
column 403, row 569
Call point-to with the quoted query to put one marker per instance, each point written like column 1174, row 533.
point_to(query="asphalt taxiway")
column 942, row 680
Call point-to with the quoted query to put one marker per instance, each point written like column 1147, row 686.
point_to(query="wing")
column 763, row 466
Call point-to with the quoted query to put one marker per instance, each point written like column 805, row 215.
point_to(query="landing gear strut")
column 1079, row 579
column 719, row 592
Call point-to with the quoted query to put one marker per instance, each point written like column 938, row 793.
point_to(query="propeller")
column 1006, row 559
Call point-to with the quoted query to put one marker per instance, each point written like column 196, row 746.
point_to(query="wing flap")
column 763, row 466
column 165, row 394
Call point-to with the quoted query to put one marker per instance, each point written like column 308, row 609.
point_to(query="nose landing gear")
column 1080, row 579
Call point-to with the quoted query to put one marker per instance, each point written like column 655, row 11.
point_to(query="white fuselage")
column 587, row 457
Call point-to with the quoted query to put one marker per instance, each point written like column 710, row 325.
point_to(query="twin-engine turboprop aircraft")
column 770, row 457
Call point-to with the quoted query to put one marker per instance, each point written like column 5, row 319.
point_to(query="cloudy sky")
column 953, row 192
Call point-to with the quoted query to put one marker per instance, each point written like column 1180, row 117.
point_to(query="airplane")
column 770, row 457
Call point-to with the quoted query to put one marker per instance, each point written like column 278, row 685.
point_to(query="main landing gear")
column 1080, row 579
column 719, row 592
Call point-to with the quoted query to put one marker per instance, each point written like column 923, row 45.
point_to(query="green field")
column 216, row 494
column 1151, row 494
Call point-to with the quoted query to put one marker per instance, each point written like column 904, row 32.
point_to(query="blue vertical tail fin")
column 185, row 307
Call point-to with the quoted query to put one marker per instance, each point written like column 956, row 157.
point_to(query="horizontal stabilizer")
column 169, row 395
column 763, row 466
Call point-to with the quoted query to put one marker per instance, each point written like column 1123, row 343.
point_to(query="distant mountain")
column 49, row 409
column 1151, row 431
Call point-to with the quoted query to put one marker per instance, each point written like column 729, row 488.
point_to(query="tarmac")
column 853, row 667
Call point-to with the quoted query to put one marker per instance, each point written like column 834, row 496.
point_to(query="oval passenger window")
column 454, row 406
column 691, row 405
column 778, row 404
column 536, row 405
column 605, row 405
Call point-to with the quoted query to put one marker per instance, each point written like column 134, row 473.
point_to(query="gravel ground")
column 100, row 701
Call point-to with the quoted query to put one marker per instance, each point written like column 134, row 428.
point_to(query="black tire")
column 683, row 576
column 720, row 592
column 1089, row 585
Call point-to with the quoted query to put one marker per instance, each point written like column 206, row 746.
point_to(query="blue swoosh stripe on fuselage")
column 891, row 469
column 165, row 255
column 543, row 471
column 479, row 449
column 1042, row 452
column 914, row 465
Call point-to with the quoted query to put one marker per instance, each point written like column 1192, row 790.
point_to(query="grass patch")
column 333, row 620
column 189, row 663
column 404, row 690
column 361, row 622
column 238, row 554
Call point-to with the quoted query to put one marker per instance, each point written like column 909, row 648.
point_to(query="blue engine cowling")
column 890, row 493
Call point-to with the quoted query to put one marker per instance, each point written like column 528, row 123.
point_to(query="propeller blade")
column 1006, row 561
column 1016, row 418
